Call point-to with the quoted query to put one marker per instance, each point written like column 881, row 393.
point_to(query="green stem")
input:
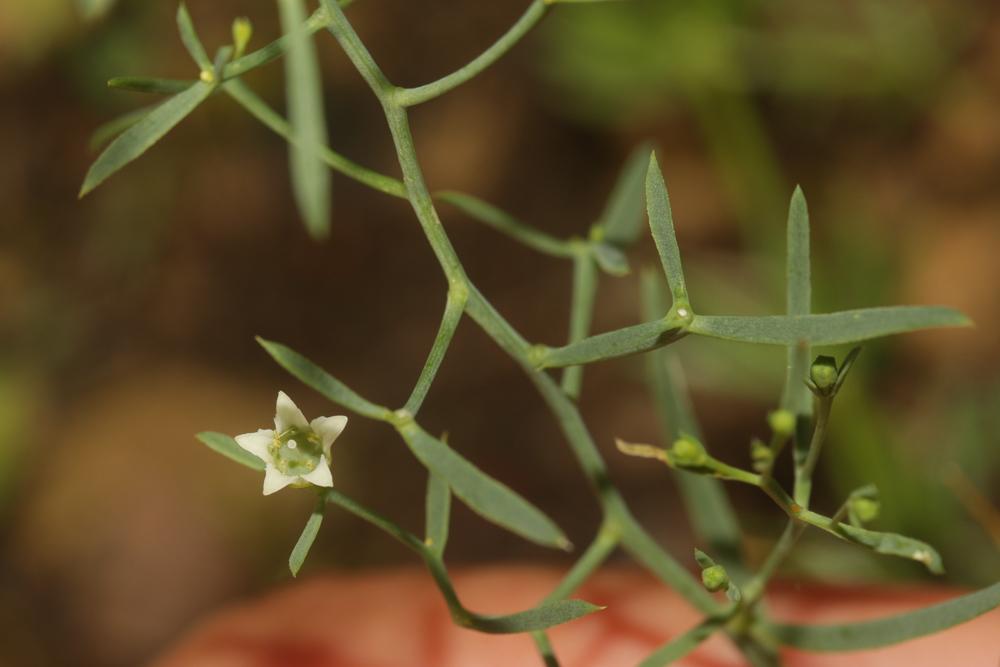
column 408, row 97
column 501, row 331
column 753, row 591
column 474, row 207
column 581, row 313
column 804, row 471
column 262, row 56
column 377, row 520
column 453, row 310
column 506, row 224
column 545, row 649
column 271, row 119
column 600, row 548
column 680, row 646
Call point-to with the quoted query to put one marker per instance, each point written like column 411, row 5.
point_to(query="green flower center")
column 296, row 451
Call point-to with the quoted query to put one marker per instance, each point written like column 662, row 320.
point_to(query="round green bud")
column 865, row 509
column 782, row 423
column 715, row 578
column 823, row 373
column 296, row 451
column 687, row 452
column 761, row 455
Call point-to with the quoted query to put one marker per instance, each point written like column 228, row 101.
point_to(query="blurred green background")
column 127, row 319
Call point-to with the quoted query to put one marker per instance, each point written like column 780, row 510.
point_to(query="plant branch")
column 408, row 97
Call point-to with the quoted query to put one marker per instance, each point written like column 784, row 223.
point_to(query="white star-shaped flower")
column 296, row 452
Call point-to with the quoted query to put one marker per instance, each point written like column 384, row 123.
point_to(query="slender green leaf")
column 190, row 38
column 892, row 544
column 622, row 217
column 145, row 84
column 306, row 539
column 611, row 260
column 137, row 139
column 661, row 223
column 622, row 342
column 848, row 326
column 438, row 513
column 226, row 446
column 541, row 617
column 705, row 499
column 108, row 131
column 304, row 93
column 315, row 377
column 795, row 396
column 483, row 494
column 678, row 647
column 891, row 630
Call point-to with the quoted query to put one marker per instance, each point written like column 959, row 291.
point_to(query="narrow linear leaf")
column 315, row 377
column 622, row 342
column 225, row 445
column 798, row 301
column 304, row 93
column 891, row 630
column 622, row 217
column 190, row 38
column 108, row 131
column 892, row 544
column 611, row 260
column 145, row 84
column 661, row 223
column 680, row 646
column 438, row 513
column 306, row 539
column 486, row 496
column 848, row 326
column 137, row 139
column 705, row 499
column 539, row 618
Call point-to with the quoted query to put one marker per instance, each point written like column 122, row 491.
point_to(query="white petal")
column 256, row 443
column 287, row 414
column 328, row 429
column 321, row 475
column 275, row 480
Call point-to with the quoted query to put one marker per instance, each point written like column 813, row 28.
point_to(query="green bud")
column 782, row 423
column 761, row 455
column 242, row 32
column 865, row 510
column 715, row 578
column 823, row 374
column 688, row 452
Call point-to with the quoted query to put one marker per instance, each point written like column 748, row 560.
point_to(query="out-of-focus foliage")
column 669, row 50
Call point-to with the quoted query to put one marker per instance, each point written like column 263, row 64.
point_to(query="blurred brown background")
column 127, row 319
